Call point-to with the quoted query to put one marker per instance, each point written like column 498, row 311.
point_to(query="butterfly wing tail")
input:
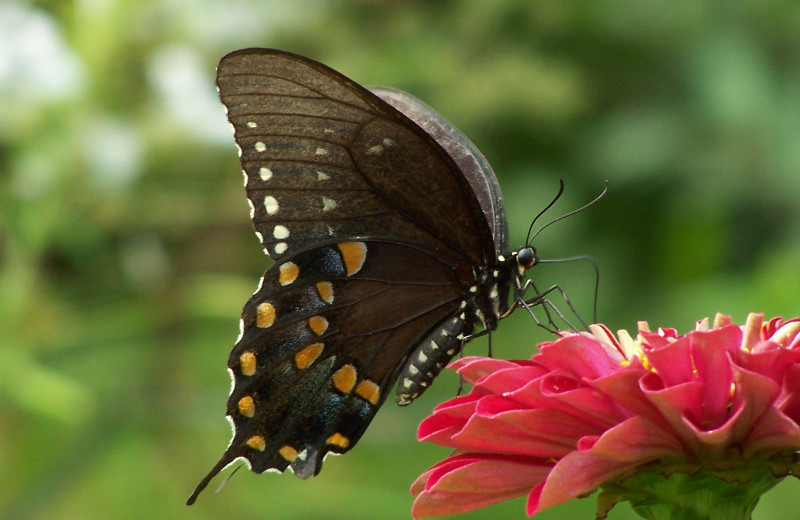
column 223, row 462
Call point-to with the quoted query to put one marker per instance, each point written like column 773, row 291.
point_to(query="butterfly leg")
column 540, row 298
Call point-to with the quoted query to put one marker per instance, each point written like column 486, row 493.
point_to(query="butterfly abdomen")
column 486, row 302
column 431, row 355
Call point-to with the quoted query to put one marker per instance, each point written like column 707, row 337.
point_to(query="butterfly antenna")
column 558, row 196
column 562, row 217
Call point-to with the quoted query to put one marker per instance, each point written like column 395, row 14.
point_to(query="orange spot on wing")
column 288, row 273
column 308, row 355
column 257, row 442
column 337, row 439
column 353, row 255
column 369, row 390
column 344, row 379
column 288, row 453
column 265, row 315
column 325, row 291
column 318, row 324
column 247, row 363
column 246, row 406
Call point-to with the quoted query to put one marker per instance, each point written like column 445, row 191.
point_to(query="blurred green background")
column 126, row 252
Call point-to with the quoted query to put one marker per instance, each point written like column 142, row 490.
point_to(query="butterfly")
column 390, row 244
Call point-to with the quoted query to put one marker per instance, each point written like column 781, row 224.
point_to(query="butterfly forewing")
column 312, row 141
column 376, row 235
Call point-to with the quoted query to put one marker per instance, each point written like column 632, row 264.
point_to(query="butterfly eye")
column 526, row 258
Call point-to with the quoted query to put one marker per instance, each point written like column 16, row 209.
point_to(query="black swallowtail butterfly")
column 390, row 242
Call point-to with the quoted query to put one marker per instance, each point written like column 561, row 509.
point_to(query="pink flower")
column 591, row 410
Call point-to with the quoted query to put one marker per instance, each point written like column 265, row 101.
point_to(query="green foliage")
column 126, row 253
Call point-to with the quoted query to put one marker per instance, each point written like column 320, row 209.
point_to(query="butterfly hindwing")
column 310, row 370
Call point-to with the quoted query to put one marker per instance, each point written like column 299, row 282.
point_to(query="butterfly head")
column 526, row 258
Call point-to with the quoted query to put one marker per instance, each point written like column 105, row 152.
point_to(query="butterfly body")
column 389, row 238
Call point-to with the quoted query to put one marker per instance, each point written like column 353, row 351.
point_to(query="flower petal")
column 774, row 432
column 473, row 368
column 471, row 481
column 574, row 475
column 579, row 354
column 636, row 440
column 543, row 433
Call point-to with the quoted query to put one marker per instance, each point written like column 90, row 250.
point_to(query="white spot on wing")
column 321, row 151
column 322, row 176
column 241, row 325
column 375, row 150
column 260, row 237
column 271, row 205
column 265, row 173
column 252, row 124
column 328, row 204
column 260, row 146
column 239, row 150
column 388, row 142
column 244, row 174
column 233, row 385
column 252, row 208
column 280, row 232
column 280, row 248
column 230, row 419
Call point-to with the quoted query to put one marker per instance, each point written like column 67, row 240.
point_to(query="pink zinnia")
column 594, row 411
